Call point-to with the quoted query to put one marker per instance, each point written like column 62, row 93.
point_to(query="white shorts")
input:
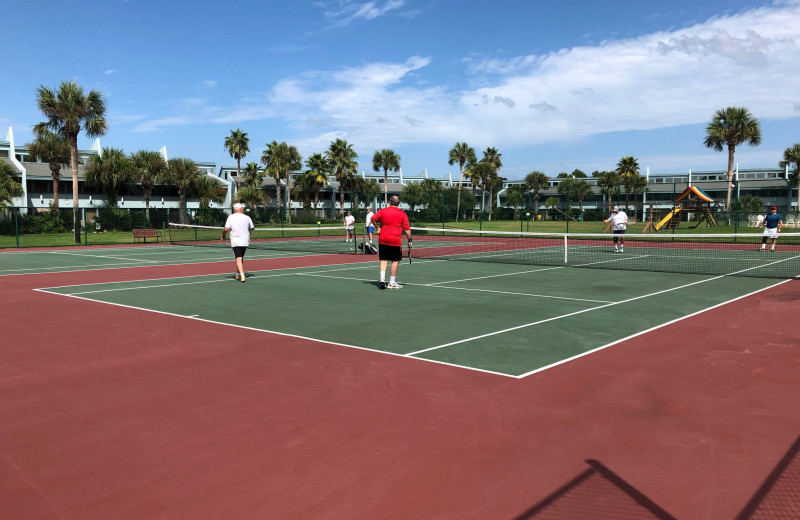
column 349, row 228
column 771, row 232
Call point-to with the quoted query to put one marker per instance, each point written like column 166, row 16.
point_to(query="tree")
column 110, row 172
column 462, row 154
column 318, row 171
column 578, row 174
column 149, row 168
column 551, row 203
column 575, row 189
column 182, row 173
column 207, row 189
column 484, row 172
column 238, row 144
column 280, row 159
column 69, row 112
column 253, row 175
column 494, row 158
column 343, row 163
column 385, row 160
column 52, row 149
column 628, row 171
column 791, row 156
column 9, row 188
column 515, row 195
column 731, row 127
column 535, row 181
column 413, row 195
column 607, row 181
column 303, row 189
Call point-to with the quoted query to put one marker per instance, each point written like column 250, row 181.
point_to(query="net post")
column 565, row 251
column 85, row 228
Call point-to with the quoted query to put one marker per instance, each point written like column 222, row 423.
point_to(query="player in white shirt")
column 239, row 225
column 368, row 225
column 349, row 227
column 620, row 220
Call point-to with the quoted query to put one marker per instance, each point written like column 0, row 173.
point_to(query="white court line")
column 456, row 288
column 525, row 325
column 561, row 362
column 285, row 334
column 124, row 265
column 100, row 256
column 47, row 289
column 495, row 276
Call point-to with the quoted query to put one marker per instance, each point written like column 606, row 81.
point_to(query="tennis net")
column 706, row 254
column 319, row 239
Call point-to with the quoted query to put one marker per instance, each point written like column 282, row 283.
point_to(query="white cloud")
column 110, row 71
column 344, row 12
column 659, row 80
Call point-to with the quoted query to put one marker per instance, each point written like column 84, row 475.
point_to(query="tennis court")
column 513, row 377
column 518, row 320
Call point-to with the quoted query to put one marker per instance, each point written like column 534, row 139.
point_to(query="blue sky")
column 554, row 86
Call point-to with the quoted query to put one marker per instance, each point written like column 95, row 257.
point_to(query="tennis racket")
column 409, row 255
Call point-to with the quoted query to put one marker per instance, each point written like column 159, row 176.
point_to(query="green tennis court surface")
column 77, row 259
column 502, row 318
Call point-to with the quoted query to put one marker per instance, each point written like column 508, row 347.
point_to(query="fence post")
column 16, row 226
column 85, row 228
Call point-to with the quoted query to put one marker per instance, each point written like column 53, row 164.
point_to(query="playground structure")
column 691, row 200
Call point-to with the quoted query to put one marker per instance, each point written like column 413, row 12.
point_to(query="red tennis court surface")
column 110, row 412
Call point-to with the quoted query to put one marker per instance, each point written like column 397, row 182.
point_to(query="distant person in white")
column 620, row 220
column 349, row 220
column 370, row 227
column 239, row 225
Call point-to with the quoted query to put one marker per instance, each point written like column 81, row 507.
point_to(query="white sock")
column 383, row 276
column 392, row 279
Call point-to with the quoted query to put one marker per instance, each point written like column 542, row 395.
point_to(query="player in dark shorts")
column 393, row 222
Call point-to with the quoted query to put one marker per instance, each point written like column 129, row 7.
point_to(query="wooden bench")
column 144, row 234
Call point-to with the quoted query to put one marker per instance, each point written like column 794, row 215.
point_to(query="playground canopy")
column 693, row 190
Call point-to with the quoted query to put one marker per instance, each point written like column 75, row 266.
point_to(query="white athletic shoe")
column 394, row 286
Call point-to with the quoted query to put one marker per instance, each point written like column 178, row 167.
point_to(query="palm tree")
column 534, row 182
column 207, row 189
column 69, row 112
column 413, row 195
column 253, row 175
column 182, row 173
column 385, row 160
column 607, row 181
column 792, row 156
column 54, row 150
column 9, row 188
column 515, row 195
column 576, row 189
column 318, row 170
column 149, row 168
column 483, row 172
column 238, row 144
column 343, row 163
column 551, row 203
column 731, row 127
column 462, row 154
column 280, row 159
column 493, row 157
column 304, row 190
column 627, row 171
column 110, row 172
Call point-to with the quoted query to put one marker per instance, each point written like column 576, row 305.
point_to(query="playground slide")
column 667, row 218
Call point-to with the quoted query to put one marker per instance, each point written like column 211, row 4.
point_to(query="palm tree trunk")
column 147, row 208
column 288, row 201
column 279, row 195
column 730, row 177
column 182, row 206
column 73, row 151
column 55, row 190
column 458, row 197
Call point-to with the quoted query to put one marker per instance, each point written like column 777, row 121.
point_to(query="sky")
column 554, row 86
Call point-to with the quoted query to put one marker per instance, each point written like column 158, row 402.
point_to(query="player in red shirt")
column 393, row 222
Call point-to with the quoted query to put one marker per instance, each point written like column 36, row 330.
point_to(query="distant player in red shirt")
column 393, row 222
